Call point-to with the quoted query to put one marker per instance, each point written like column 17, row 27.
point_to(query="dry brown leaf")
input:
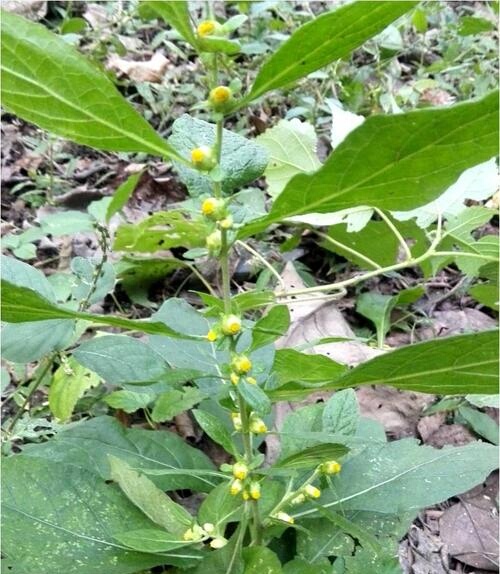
column 32, row 9
column 150, row 71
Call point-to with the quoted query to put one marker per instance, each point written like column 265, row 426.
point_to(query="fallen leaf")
column 150, row 71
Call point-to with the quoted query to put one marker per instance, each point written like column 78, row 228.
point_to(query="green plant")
column 338, row 491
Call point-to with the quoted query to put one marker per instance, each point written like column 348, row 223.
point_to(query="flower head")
column 208, row 527
column 257, row 426
column 241, row 364
column 251, row 380
column 240, row 470
column 284, row 517
column 234, row 378
column 212, row 335
column 231, row 324
column 236, row 418
column 213, row 243
column 331, row 467
column 245, row 494
column 255, row 490
column 236, row 487
column 312, row 492
column 226, row 223
column 213, row 208
column 207, row 28
column 218, row 542
column 299, row 499
column 219, row 97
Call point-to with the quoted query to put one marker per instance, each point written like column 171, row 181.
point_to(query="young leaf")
column 452, row 365
column 71, row 540
column 341, row 413
column 215, row 430
column 129, row 401
column 270, row 327
column 155, row 504
column 327, row 38
column 69, row 383
column 388, row 169
column 122, row 195
column 21, row 305
column 256, row 398
column 481, row 423
column 290, row 365
column 74, row 99
column 172, row 403
column 177, row 15
column 220, row 507
column 150, row 540
column 261, row 560
column 87, row 445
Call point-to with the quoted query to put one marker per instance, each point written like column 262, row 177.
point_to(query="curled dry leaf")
column 150, row 71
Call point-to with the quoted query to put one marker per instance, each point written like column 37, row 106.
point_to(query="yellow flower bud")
column 240, row 470
column 299, row 499
column 255, row 490
column 213, row 208
column 245, row 495
column 208, row 527
column 202, row 158
column 241, row 364
column 212, row 335
column 257, row 426
column 214, row 242
column 312, row 491
column 207, row 28
column 236, row 487
column 251, row 380
column 331, row 467
column 219, row 542
column 236, row 418
column 234, row 378
column 284, row 517
column 188, row 535
column 219, row 98
column 231, row 324
column 226, row 223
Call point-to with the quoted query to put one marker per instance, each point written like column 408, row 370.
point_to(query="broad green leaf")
column 61, row 519
column 226, row 560
column 22, row 305
column 220, row 507
column 160, row 231
column 327, row 38
column 69, row 384
column 121, row 359
column 384, row 163
column 292, row 366
column 150, row 540
column 452, row 365
column 88, row 444
column 219, row 44
column 242, row 160
column 172, row 403
column 301, row 566
column 215, row 430
column 320, row 539
column 402, row 476
column 177, row 15
column 312, row 456
column 481, row 423
column 291, row 146
column 129, row 401
column 486, row 294
column 261, row 560
column 366, row 561
column 470, row 25
column 484, row 400
column 66, row 223
column 122, row 195
column 74, row 99
column 24, row 275
column 341, row 413
column 155, row 504
column 270, row 327
column 255, row 397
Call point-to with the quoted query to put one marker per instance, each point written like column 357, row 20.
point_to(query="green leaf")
column 121, row 359
column 129, row 401
column 481, row 423
column 256, row 397
column 155, row 504
column 160, row 231
column 219, row 44
column 122, row 195
column 261, row 560
column 453, row 365
column 215, row 430
column 486, row 294
column 226, row 560
column 401, row 476
column 150, row 540
column 300, row 566
column 242, row 160
column 270, row 327
column 483, row 400
column 290, row 365
column 384, row 162
column 77, row 536
column 312, row 456
column 327, row 38
column 320, row 540
column 69, row 384
column 84, row 271
column 470, row 25
column 220, row 507
column 24, row 275
column 66, row 223
column 177, row 15
column 367, row 562
column 341, row 413
column 292, row 149
column 21, row 305
column 87, row 445
column 172, row 403
column 74, row 99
